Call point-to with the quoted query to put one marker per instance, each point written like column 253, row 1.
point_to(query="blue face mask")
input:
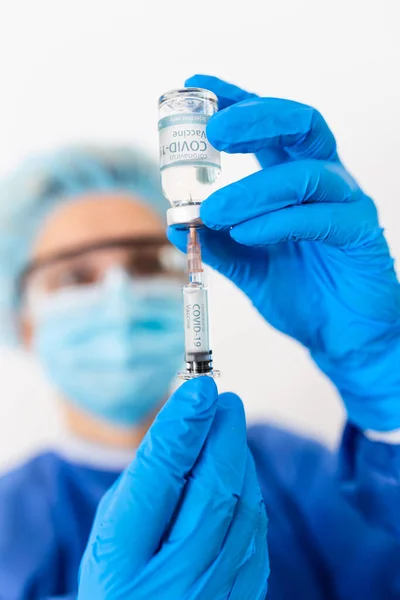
column 113, row 348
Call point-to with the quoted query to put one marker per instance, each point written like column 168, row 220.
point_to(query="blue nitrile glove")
column 303, row 241
column 186, row 519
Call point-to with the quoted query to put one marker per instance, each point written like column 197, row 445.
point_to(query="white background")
column 89, row 70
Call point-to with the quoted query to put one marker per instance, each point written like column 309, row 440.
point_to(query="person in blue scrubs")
column 96, row 301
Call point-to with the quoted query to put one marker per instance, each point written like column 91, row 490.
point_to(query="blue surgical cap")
column 31, row 192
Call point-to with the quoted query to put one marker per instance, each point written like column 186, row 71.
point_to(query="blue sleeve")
column 68, row 597
column 30, row 565
column 318, row 541
column 370, row 479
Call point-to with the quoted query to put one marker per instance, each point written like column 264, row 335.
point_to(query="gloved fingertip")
column 231, row 403
column 206, row 214
column 177, row 237
column 236, row 234
column 201, row 390
column 210, row 224
column 242, row 234
column 213, row 210
column 205, row 81
column 216, row 131
column 197, row 80
column 230, row 400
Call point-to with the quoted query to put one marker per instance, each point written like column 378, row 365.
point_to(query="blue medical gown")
column 334, row 519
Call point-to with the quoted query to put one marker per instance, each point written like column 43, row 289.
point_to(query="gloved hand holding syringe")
column 190, row 168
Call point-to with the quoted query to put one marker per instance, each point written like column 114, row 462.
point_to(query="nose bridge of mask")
column 117, row 283
column 118, row 287
column 149, row 302
column 116, row 278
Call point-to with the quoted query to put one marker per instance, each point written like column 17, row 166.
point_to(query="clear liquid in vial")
column 191, row 183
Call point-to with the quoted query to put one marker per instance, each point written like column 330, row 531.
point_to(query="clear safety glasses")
column 141, row 258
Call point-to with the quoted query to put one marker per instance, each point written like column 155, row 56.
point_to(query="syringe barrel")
column 195, row 307
column 198, row 354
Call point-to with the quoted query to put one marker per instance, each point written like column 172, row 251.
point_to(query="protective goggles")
column 140, row 257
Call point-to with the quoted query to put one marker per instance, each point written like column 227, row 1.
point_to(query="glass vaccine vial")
column 190, row 166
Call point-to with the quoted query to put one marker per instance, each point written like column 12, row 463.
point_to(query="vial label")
column 183, row 141
column 196, row 321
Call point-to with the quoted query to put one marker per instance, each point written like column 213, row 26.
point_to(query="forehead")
column 94, row 218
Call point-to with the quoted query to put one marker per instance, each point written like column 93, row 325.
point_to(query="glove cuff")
column 370, row 388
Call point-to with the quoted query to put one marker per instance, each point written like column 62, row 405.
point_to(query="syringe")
column 198, row 354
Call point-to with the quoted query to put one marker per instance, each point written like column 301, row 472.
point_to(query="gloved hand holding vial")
column 190, row 168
